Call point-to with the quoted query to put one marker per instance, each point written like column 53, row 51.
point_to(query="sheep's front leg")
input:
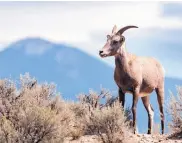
column 121, row 97
column 134, row 106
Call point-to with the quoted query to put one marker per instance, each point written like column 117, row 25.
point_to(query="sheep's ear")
column 114, row 30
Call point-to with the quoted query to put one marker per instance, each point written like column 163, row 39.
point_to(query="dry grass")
column 32, row 112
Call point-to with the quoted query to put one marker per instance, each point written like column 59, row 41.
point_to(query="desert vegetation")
column 174, row 107
column 31, row 112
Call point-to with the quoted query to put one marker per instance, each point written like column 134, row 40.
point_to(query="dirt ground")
column 138, row 138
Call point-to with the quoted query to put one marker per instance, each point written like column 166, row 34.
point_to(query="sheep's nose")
column 100, row 52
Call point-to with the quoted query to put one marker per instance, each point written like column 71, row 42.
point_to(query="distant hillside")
column 71, row 69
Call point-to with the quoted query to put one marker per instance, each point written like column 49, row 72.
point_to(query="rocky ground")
column 139, row 138
column 145, row 138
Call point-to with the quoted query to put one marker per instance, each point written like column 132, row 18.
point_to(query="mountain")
column 71, row 69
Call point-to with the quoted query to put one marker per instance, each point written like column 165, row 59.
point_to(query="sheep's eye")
column 122, row 39
column 115, row 42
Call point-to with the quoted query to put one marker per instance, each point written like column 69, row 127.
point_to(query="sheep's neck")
column 121, row 59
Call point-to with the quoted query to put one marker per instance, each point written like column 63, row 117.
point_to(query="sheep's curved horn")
column 122, row 30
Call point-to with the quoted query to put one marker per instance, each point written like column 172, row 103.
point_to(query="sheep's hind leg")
column 160, row 98
column 150, row 112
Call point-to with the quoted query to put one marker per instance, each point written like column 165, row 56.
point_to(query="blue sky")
column 86, row 24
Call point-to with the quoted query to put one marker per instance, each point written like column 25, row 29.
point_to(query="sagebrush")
column 33, row 113
column 174, row 109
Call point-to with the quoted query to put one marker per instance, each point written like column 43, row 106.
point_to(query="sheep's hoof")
column 135, row 131
column 162, row 132
column 149, row 131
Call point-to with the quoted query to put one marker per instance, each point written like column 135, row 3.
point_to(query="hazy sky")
column 86, row 24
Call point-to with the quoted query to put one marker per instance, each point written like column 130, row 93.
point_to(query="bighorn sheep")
column 136, row 75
